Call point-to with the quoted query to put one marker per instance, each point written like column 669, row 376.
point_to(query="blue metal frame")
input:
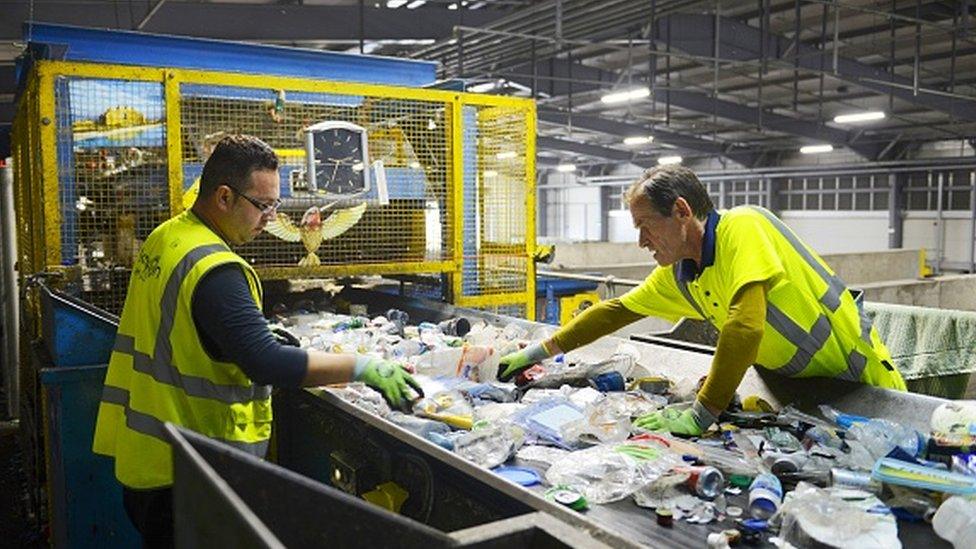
column 86, row 500
column 70, row 43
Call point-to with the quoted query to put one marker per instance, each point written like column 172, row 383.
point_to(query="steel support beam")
column 596, row 151
column 896, row 220
column 590, row 79
column 692, row 34
column 746, row 157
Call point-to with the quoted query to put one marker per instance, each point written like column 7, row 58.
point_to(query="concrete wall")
column 945, row 292
column 626, row 260
column 858, row 268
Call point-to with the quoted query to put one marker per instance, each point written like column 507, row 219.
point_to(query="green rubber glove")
column 388, row 378
column 691, row 421
column 511, row 364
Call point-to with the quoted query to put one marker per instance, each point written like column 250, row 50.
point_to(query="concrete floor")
column 17, row 529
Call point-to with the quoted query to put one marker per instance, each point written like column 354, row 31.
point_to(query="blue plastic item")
column 518, row 475
column 903, row 473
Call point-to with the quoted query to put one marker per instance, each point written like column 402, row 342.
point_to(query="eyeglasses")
column 265, row 209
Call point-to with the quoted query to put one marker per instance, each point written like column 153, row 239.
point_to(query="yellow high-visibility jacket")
column 813, row 326
column 159, row 370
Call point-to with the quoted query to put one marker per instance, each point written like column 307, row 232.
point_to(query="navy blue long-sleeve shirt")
column 232, row 329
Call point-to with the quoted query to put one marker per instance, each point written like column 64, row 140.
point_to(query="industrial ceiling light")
column 665, row 160
column 566, row 168
column 626, row 95
column 859, row 117
column 816, row 149
column 638, row 140
column 395, row 3
column 486, row 87
column 416, row 4
column 506, row 155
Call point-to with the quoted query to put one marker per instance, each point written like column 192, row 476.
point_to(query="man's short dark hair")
column 662, row 185
column 233, row 160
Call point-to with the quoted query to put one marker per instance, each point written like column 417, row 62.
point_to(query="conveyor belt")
column 622, row 523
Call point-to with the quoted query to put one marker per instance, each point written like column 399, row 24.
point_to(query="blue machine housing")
column 70, row 43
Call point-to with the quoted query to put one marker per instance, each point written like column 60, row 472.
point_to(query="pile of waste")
column 780, row 476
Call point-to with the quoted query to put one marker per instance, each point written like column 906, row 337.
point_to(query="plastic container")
column 839, row 418
column 765, row 496
column 955, row 522
column 955, row 422
column 418, row 425
column 881, row 436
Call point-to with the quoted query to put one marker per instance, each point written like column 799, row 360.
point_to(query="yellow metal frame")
column 37, row 113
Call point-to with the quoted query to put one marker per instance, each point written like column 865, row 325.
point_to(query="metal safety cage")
column 105, row 153
column 498, row 167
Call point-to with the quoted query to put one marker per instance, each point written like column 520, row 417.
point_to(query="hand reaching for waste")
column 511, row 364
column 391, row 380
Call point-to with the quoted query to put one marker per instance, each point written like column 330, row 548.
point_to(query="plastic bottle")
column 839, row 418
column 513, row 331
column 765, row 496
column 955, row 522
column 881, row 436
column 458, row 327
column 418, row 426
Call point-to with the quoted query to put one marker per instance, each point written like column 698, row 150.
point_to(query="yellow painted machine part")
column 569, row 306
column 389, row 496
column 39, row 206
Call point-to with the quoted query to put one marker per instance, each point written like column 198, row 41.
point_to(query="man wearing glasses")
column 193, row 347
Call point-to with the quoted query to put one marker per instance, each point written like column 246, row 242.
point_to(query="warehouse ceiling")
column 748, row 82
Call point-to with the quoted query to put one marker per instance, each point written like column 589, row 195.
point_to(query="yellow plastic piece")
column 755, row 403
column 571, row 306
column 389, row 496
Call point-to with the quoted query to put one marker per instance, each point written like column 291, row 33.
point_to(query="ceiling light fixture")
column 627, row 95
column 566, row 168
column 816, row 149
column 638, row 140
column 859, row 117
column 665, row 160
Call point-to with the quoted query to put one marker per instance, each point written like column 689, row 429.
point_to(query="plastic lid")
column 518, row 475
column 762, row 507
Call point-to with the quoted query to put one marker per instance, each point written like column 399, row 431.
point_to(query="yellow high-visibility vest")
column 159, row 370
column 813, row 326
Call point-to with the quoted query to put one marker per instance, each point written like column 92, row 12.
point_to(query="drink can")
column 705, row 481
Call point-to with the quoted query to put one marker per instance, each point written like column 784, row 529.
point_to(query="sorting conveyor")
column 318, row 433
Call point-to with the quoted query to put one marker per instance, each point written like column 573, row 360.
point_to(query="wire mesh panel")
column 402, row 217
column 112, row 178
column 106, row 153
column 496, row 267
